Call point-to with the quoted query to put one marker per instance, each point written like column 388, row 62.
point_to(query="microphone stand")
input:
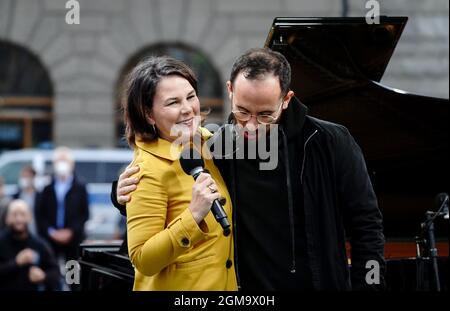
column 428, row 228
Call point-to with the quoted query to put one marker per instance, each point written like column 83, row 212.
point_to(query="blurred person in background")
column 26, row 262
column 63, row 208
column 28, row 193
column 4, row 201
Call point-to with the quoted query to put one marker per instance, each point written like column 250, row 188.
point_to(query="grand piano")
column 104, row 267
column 337, row 65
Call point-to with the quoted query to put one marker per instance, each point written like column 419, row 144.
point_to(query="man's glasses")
column 264, row 119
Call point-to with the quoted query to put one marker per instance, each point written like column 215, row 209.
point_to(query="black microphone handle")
column 221, row 217
column 217, row 209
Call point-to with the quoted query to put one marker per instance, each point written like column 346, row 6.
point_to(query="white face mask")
column 25, row 182
column 62, row 168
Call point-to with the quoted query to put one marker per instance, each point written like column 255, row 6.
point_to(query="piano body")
column 104, row 267
column 337, row 64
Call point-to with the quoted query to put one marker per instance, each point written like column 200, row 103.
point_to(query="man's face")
column 18, row 216
column 26, row 179
column 63, row 164
column 257, row 97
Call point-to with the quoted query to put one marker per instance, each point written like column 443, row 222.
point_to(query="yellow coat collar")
column 164, row 149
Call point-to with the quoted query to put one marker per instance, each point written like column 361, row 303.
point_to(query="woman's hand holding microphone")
column 204, row 192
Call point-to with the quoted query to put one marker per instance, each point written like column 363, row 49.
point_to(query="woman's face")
column 176, row 108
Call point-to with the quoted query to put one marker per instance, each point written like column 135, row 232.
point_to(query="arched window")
column 210, row 86
column 25, row 99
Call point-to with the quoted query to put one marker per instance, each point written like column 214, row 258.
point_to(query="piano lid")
column 329, row 55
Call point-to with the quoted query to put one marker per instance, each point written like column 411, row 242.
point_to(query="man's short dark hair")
column 258, row 62
column 140, row 89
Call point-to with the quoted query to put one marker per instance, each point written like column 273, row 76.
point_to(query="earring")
column 154, row 128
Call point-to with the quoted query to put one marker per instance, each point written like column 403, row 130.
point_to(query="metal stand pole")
column 432, row 249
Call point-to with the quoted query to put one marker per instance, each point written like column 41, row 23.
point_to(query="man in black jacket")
column 26, row 262
column 63, row 208
column 292, row 222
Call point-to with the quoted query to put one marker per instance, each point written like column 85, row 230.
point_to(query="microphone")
column 192, row 164
column 441, row 201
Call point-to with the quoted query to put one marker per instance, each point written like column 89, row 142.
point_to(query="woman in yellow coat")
column 174, row 241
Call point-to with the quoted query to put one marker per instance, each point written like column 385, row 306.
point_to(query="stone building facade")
column 85, row 62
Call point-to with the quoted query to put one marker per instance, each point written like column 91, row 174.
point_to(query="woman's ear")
column 149, row 117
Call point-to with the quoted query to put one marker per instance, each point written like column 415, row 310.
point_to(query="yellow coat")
column 169, row 251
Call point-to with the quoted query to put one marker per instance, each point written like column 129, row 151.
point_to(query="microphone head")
column 212, row 127
column 190, row 159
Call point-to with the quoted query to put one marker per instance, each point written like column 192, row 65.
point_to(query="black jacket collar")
column 293, row 118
